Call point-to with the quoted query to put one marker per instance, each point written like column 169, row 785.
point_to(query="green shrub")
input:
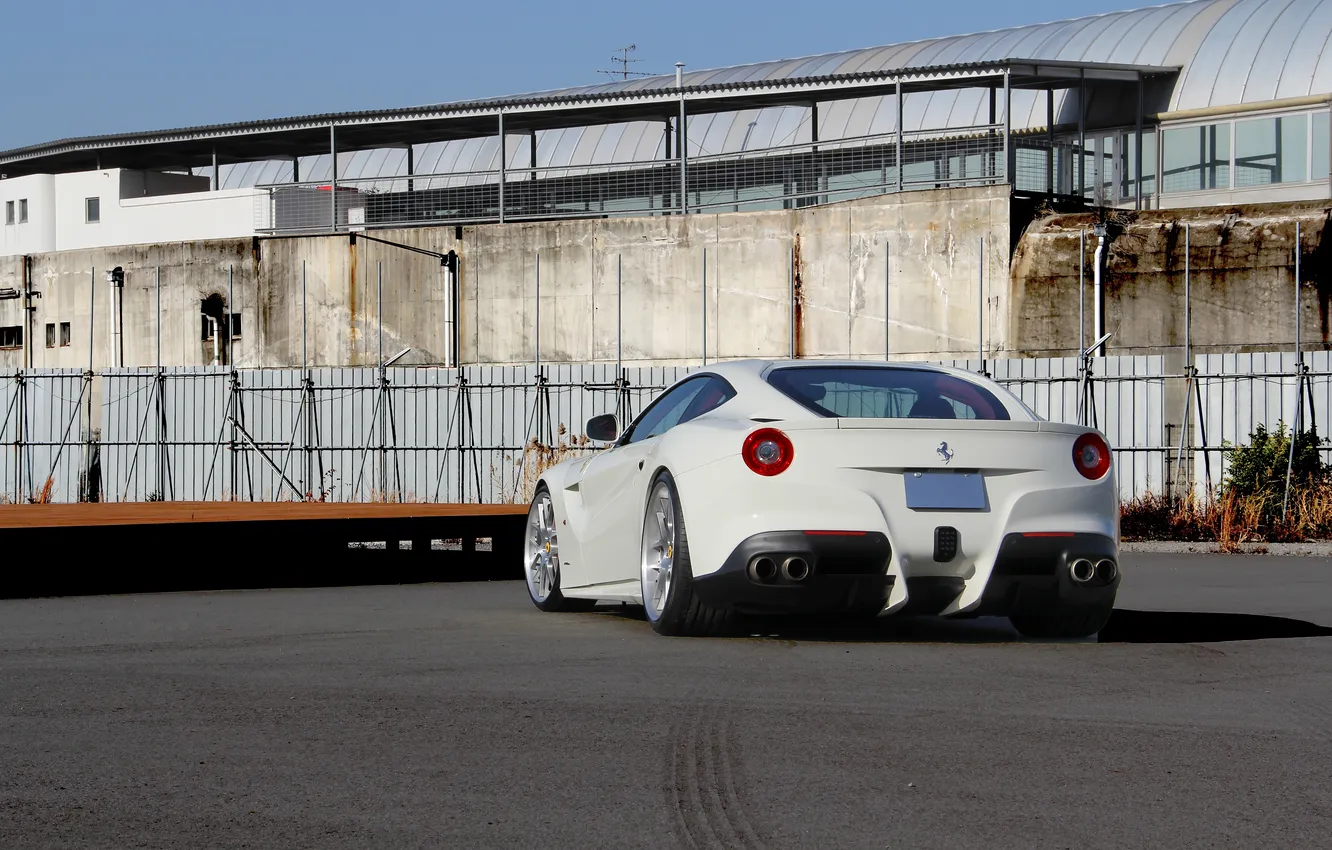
column 1260, row 467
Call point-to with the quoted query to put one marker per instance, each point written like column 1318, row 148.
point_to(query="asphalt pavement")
column 457, row 715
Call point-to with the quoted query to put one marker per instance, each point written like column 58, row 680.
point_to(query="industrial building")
column 903, row 200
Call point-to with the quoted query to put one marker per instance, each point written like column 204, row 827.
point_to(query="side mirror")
column 604, row 428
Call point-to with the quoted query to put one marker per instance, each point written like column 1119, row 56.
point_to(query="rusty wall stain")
column 797, row 299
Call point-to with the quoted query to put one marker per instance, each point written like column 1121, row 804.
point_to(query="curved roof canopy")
column 1227, row 52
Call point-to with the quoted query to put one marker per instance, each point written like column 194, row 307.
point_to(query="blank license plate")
column 956, row 491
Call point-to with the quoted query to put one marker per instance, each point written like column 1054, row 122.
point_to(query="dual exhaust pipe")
column 765, row 569
column 1083, row 571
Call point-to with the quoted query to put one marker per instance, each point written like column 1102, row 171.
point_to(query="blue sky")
column 86, row 68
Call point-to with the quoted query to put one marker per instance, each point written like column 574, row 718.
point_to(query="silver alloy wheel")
column 658, row 550
column 541, row 549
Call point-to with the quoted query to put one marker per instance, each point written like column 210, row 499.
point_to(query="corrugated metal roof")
column 1229, row 52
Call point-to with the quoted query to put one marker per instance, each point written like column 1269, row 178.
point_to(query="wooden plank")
column 156, row 513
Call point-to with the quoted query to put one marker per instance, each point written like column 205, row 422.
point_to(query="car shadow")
column 1125, row 626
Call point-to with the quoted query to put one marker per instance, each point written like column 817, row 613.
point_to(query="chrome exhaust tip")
column 1082, row 570
column 763, row 569
column 1106, row 570
column 795, row 569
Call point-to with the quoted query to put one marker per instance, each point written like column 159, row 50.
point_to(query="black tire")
column 684, row 614
column 1068, row 623
column 555, row 601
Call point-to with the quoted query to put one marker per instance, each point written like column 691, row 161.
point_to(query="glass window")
column 23, row 210
column 1196, row 158
column 93, row 208
column 686, row 401
column 886, row 392
column 64, row 334
column 1321, row 149
column 1271, row 150
column 235, row 324
column 1129, row 143
column 50, row 334
column 11, row 336
column 9, row 212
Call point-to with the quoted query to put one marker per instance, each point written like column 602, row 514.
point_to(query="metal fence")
column 780, row 177
column 481, row 433
column 45, row 453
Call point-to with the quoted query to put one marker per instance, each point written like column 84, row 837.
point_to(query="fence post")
column 705, row 306
column 1299, row 382
column 887, row 295
column 619, row 314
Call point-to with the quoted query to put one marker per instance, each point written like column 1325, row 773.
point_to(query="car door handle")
column 640, row 464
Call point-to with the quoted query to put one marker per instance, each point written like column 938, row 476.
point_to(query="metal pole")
column 502, row 165
column 305, row 360
column 1050, row 140
column 537, row 335
column 379, row 306
column 1008, row 129
column 619, row 315
column 1098, row 293
column 980, row 317
column 1299, row 357
column 333, row 184
column 1082, row 133
column 1082, row 290
column 705, row 306
column 790, row 281
column 680, row 139
column 1299, row 381
column 159, row 318
column 900, row 164
column 1188, row 305
column 92, row 328
column 216, row 182
column 231, row 307
column 887, row 295
column 1137, row 156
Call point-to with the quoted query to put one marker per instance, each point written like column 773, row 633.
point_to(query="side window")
column 664, row 413
column 714, row 395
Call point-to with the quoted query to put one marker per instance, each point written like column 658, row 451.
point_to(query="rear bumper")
column 1031, row 575
column 851, row 574
column 846, row 573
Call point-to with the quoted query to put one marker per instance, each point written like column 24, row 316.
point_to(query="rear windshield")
column 881, row 392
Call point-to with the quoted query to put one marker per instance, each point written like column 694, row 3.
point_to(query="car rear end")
column 910, row 514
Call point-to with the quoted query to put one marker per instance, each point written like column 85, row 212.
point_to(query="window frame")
column 9, row 213
column 17, row 334
column 88, row 209
column 66, row 335
column 23, row 211
column 50, row 334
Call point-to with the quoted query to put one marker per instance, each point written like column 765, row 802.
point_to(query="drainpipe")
column 1098, row 297
column 213, row 322
column 116, row 277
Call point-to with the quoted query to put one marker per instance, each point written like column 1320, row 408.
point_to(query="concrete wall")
column 1241, row 280
column 922, row 248
column 841, row 255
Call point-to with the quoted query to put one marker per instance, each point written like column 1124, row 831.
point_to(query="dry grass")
column 536, row 458
column 1230, row 519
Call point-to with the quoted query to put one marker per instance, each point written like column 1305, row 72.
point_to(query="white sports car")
column 785, row 487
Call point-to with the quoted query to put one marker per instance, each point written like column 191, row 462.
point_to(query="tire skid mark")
column 705, row 781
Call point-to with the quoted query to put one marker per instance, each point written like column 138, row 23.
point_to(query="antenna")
column 624, row 61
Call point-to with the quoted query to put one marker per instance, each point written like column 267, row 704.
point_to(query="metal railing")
column 783, row 177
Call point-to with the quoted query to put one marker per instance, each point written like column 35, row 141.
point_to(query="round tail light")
column 768, row 451
column 1091, row 456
